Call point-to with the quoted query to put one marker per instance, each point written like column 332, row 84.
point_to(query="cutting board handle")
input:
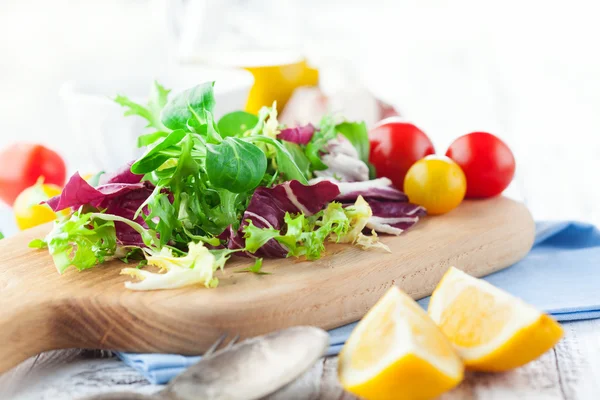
column 25, row 330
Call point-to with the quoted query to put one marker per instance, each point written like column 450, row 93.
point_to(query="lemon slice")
column 491, row 329
column 397, row 352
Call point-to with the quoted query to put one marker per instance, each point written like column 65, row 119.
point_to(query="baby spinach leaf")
column 187, row 104
column 358, row 135
column 156, row 156
column 235, row 165
column 236, row 123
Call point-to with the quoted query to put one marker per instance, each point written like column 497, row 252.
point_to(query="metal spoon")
column 249, row 370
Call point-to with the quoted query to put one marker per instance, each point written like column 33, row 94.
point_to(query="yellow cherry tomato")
column 436, row 183
column 28, row 210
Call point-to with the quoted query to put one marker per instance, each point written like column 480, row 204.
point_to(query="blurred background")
column 528, row 72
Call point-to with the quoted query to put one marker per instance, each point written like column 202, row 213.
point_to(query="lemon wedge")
column 397, row 352
column 491, row 329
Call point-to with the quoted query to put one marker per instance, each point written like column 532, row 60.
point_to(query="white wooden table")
column 570, row 371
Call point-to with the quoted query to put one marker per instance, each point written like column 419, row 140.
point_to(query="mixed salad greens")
column 205, row 190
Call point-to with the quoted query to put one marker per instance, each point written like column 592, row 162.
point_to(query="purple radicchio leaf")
column 122, row 199
column 298, row 134
column 268, row 206
column 126, row 206
column 393, row 217
column 375, row 189
column 77, row 192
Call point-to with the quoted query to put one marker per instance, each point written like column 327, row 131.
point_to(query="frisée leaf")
column 80, row 241
column 196, row 267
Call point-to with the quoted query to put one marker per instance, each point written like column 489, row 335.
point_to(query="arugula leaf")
column 151, row 112
column 235, row 165
column 159, row 154
column 236, row 123
column 358, row 135
column 159, row 97
column 187, row 104
column 255, row 268
column 286, row 163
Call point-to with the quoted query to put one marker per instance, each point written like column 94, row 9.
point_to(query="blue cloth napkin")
column 560, row 275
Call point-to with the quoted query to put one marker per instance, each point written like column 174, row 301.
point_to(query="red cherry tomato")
column 487, row 162
column 21, row 164
column 395, row 147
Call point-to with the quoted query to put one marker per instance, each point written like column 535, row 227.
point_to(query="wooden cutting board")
column 41, row 310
